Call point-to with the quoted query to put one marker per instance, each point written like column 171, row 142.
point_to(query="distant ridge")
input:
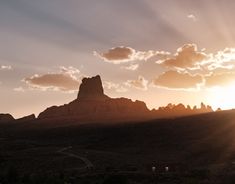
column 172, row 110
column 93, row 105
column 5, row 118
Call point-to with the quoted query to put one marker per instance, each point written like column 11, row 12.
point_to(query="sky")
column 160, row 52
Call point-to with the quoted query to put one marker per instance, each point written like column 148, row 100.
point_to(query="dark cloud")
column 122, row 54
column 176, row 80
column 118, row 54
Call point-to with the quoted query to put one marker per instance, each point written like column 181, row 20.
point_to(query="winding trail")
column 87, row 162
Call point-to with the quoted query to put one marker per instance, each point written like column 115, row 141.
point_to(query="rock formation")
column 91, row 89
column 6, row 118
column 172, row 110
column 93, row 105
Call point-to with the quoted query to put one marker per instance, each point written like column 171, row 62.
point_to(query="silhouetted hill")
column 6, row 118
column 28, row 118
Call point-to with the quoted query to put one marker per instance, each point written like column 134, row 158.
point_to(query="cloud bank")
column 65, row 80
column 118, row 55
column 186, row 57
column 176, row 80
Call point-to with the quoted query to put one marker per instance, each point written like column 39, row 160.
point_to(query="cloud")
column 110, row 85
column 222, row 60
column 188, row 68
column 192, row 17
column 121, row 89
column 140, row 83
column 218, row 80
column 176, row 80
column 65, row 80
column 114, row 86
column 187, row 57
column 225, row 55
column 61, row 82
column 5, row 67
column 19, row 89
column 118, row 55
column 69, row 70
column 131, row 67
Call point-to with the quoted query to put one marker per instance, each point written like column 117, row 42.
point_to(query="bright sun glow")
column 222, row 97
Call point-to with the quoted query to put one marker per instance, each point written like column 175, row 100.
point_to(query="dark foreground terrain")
column 194, row 149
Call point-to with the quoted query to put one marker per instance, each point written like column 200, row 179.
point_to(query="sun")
column 222, row 97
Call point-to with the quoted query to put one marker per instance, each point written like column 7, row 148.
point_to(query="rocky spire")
column 91, row 89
